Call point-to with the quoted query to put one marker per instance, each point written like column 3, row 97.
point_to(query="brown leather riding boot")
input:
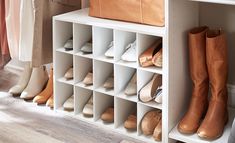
column 199, row 75
column 217, row 115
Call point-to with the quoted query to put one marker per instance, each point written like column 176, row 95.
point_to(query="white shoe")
column 37, row 82
column 158, row 98
column 130, row 53
column 69, row 74
column 147, row 93
column 88, row 108
column 68, row 46
column 23, row 82
column 131, row 88
column 69, row 104
column 87, row 48
column 110, row 52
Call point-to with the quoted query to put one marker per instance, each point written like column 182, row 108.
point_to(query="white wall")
column 222, row 16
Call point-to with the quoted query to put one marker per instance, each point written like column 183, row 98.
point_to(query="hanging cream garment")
column 26, row 30
column 44, row 10
column 13, row 26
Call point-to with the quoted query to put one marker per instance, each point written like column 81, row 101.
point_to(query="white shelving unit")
column 180, row 16
column 84, row 28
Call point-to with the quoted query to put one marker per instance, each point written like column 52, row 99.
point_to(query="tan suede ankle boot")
column 47, row 92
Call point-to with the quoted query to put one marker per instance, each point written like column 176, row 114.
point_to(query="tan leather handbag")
column 149, row 12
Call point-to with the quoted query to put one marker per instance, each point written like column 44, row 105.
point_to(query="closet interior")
column 180, row 17
column 183, row 16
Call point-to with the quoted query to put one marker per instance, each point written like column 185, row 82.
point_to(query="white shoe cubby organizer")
column 102, row 32
column 180, row 16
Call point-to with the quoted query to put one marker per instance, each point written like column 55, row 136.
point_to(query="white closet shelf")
column 104, row 91
column 152, row 69
column 152, row 104
column 62, row 50
column 82, row 17
column 82, row 85
column 105, row 59
column 175, row 134
column 63, row 80
column 127, row 64
column 90, row 56
column 228, row 2
column 132, row 98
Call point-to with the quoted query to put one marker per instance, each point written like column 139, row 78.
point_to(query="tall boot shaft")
column 199, row 75
column 217, row 62
column 197, row 61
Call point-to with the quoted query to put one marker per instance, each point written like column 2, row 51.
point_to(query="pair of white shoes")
column 31, row 83
column 152, row 90
column 129, row 54
column 87, row 110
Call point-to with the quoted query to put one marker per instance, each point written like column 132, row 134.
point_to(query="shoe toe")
column 16, row 90
column 186, row 128
column 131, row 89
column 88, row 110
column 26, row 95
column 202, row 133
column 38, row 99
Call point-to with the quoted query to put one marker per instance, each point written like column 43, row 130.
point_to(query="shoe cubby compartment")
column 144, row 77
column 82, row 67
column 123, row 109
column 101, row 103
column 102, row 71
column 82, row 34
column 63, row 92
column 141, row 111
column 121, row 40
column 63, row 63
column 144, row 42
column 102, row 39
column 82, row 97
column 63, row 32
column 123, row 76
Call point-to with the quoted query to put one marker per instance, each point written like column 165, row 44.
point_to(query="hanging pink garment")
column 13, row 26
column 4, row 55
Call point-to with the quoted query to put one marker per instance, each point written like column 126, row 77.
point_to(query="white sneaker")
column 110, row 52
column 130, row 53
